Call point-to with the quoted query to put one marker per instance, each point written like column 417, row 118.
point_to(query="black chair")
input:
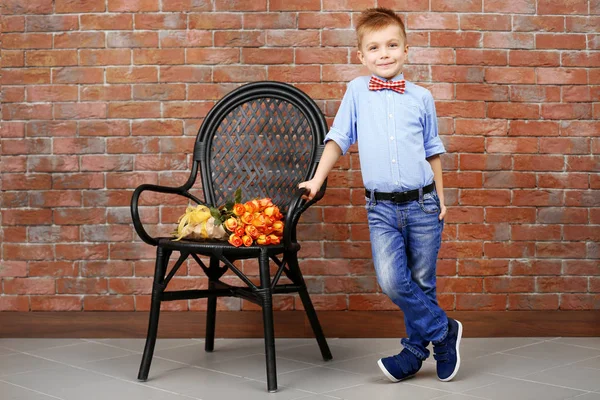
column 265, row 138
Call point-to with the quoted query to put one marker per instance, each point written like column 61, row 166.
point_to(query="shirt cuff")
column 434, row 147
column 342, row 140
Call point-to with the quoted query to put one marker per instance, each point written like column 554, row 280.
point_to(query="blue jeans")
column 405, row 240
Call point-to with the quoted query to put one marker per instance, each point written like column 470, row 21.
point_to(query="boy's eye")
column 393, row 45
column 372, row 48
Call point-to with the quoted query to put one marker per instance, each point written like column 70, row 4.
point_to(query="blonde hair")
column 374, row 19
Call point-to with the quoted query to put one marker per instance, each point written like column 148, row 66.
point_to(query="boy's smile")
column 383, row 51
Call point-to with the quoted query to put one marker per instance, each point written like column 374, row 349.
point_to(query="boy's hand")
column 442, row 212
column 311, row 185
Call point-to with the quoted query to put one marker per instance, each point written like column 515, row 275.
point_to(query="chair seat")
column 209, row 247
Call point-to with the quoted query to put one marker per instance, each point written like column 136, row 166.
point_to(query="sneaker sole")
column 388, row 375
column 458, row 337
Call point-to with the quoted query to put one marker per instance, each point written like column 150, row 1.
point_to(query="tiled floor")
column 495, row 369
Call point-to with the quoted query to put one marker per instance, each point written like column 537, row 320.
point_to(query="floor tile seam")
column 565, row 365
column 31, row 390
column 44, row 348
column 141, row 352
column 79, row 367
column 544, row 383
column 462, row 394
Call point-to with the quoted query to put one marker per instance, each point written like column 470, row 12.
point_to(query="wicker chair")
column 265, row 138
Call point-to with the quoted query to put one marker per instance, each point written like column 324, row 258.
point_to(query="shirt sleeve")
column 343, row 131
column 431, row 140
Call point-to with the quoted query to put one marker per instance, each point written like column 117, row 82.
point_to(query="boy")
column 395, row 125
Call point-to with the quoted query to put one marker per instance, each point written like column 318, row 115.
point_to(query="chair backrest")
column 264, row 138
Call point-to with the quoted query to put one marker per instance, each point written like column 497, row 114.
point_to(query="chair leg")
column 266, row 295
column 211, row 313
column 162, row 259
column 310, row 309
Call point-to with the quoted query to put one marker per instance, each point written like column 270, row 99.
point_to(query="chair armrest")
column 296, row 207
column 135, row 215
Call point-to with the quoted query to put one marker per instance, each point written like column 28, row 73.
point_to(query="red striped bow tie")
column 378, row 84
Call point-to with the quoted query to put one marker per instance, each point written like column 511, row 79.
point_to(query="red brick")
column 560, row 250
column 77, row 181
column 456, row 5
column 105, row 57
column 105, row 93
column 134, row 110
column 12, row 94
column 14, row 303
column 481, row 302
column 106, row 22
column 80, row 110
column 456, row 39
column 193, row 74
column 31, row 7
column 239, row 74
column 52, row 164
column 187, row 5
column 133, row 6
column 108, row 303
column 27, row 111
column 215, row 21
column 526, row 58
column 241, row 5
column 566, row 111
column 535, row 93
column 579, row 301
column 561, row 76
column 78, row 40
column 481, row 57
column 583, row 24
column 481, row 92
column 533, row 128
column 267, row 56
column 77, row 75
column 461, row 109
column 185, row 39
column 562, row 7
column 56, row 303
column 70, row 6
column 513, row 111
column 26, row 41
column 519, row 302
column 510, row 75
column 14, row 58
column 485, row 197
column 416, row 21
column 52, row 93
column 485, row 22
column 132, row 145
column 302, row 73
column 103, row 128
column 187, row 109
column 212, row 56
column 321, row 56
column 509, row 284
column 513, row 7
column 132, row 74
column 52, row 23
column 323, row 20
column 132, row 39
column 239, row 38
column 12, row 23
column 502, row 179
column 563, row 180
column 157, row 128
column 526, row 23
column 508, row 40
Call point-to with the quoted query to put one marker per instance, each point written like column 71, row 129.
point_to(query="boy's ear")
column 361, row 57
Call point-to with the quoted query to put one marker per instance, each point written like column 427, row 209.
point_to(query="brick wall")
column 102, row 95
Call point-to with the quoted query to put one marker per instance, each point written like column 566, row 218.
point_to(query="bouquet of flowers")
column 256, row 221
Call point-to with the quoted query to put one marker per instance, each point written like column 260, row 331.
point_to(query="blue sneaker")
column 447, row 352
column 399, row 367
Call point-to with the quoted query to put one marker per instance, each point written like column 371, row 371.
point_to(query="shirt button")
column 391, row 116
column 389, row 95
column 391, row 138
column 397, row 182
column 393, row 161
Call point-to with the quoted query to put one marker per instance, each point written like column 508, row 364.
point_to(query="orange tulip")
column 239, row 209
column 252, row 231
column 235, row 240
column 247, row 240
column 231, row 224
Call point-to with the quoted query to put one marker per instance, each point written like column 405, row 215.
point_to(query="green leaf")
column 238, row 195
column 229, row 205
column 216, row 214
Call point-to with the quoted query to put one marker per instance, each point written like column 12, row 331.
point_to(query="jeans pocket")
column 430, row 204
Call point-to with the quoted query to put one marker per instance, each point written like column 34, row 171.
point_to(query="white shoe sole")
column 388, row 375
column 458, row 337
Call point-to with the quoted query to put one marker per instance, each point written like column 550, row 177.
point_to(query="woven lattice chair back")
column 262, row 138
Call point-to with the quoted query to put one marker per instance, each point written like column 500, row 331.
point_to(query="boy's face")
column 383, row 52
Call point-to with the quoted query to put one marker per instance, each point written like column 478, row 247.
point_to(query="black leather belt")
column 401, row 197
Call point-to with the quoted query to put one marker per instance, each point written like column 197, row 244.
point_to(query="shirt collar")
column 398, row 77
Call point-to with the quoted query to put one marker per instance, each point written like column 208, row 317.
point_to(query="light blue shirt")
column 395, row 134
